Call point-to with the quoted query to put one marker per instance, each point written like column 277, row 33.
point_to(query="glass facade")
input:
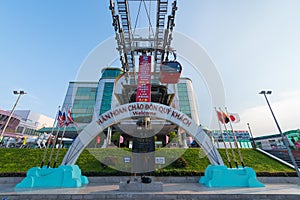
column 183, row 96
column 84, row 102
column 106, row 97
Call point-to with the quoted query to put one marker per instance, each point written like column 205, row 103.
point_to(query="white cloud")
column 286, row 110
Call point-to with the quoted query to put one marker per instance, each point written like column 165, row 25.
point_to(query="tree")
column 173, row 137
column 116, row 137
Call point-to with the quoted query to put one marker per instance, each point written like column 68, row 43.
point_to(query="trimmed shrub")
column 180, row 163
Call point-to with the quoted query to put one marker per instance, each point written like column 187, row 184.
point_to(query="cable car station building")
column 89, row 99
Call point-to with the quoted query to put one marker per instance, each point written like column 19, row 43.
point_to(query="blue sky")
column 253, row 43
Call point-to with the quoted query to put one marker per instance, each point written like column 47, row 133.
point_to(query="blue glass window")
column 184, row 103
column 84, row 102
column 106, row 97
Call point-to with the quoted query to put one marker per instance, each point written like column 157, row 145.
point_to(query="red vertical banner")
column 143, row 91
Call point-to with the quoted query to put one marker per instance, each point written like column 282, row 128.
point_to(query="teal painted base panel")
column 221, row 176
column 65, row 176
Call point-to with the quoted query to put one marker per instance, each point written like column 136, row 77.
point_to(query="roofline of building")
column 55, row 129
column 277, row 135
column 83, row 82
column 111, row 68
column 186, row 78
column 7, row 113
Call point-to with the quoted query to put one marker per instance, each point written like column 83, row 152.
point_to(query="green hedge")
column 189, row 162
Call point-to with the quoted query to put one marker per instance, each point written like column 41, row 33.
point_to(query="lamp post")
column 252, row 139
column 285, row 142
column 20, row 93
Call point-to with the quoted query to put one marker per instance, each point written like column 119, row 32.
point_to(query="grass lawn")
column 18, row 161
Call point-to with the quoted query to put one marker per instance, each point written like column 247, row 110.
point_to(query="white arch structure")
column 142, row 109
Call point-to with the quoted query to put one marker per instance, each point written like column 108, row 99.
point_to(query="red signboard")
column 143, row 91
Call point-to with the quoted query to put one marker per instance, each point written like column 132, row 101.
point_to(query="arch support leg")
column 65, row 176
column 221, row 176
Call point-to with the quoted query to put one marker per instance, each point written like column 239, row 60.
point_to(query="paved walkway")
column 190, row 190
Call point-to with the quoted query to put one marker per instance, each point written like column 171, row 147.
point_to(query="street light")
column 20, row 93
column 285, row 142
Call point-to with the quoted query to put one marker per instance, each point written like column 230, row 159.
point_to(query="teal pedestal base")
column 65, row 176
column 221, row 176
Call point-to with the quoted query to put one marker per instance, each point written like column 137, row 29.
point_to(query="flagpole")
column 252, row 139
column 53, row 147
column 227, row 154
column 235, row 141
column 59, row 146
column 54, row 144
column 48, row 143
column 232, row 151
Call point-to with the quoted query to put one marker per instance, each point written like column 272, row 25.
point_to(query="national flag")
column 70, row 118
column 234, row 117
column 61, row 118
column 222, row 117
column 121, row 139
column 225, row 117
